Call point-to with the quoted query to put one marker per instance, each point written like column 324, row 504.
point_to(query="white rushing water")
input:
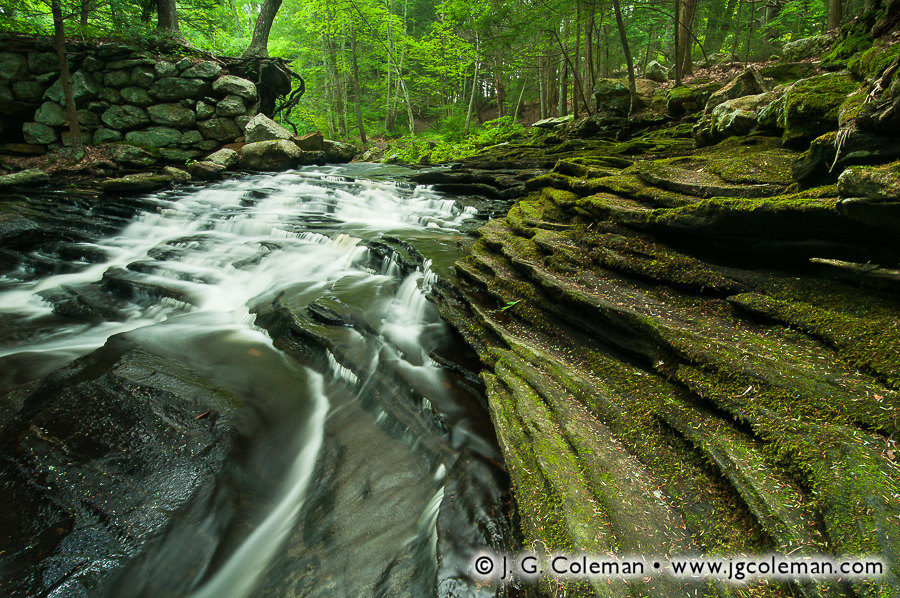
column 202, row 261
column 233, row 245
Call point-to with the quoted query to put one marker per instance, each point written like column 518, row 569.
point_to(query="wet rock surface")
column 100, row 457
column 142, row 467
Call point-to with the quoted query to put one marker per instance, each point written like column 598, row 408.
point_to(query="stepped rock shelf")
column 683, row 354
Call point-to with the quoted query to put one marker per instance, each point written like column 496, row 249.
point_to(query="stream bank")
column 690, row 334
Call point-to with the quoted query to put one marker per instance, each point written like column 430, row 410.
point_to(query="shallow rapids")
column 300, row 296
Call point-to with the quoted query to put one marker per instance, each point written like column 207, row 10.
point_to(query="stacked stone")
column 182, row 109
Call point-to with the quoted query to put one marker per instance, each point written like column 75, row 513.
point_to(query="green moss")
column 811, row 107
column 784, row 72
column 870, row 343
column 852, row 41
column 871, row 63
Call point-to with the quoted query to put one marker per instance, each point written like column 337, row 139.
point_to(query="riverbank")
column 689, row 335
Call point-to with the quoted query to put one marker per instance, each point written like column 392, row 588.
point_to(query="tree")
column 259, row 43
column 167, row 16
column 834, row 13
column 625, row 48
column 59, row 40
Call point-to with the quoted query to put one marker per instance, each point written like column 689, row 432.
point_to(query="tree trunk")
column 499, row 88
column 689, row 8
column 521, row 95
column 474, row 87
column 677, row 32
column 589, row 53
column 85, row 12
column 563, row 105
column 359, row 118
column 260, row 41
column 59, row 40
column 835, row 9
column 625, row 48
column 166, row 16
column 389, row 117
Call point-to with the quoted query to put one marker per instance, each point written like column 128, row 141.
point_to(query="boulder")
column 808, row 47
column 683, row 100
column 784, row 72
column 228, row 158
column 131, row 155
column 172, row 89
column 136, row 183
column 274, row 154
column 809, row 108
column 176, row 154
column 263, row 128
column 87, row 119
column 731, row 118
column 125, row 117
column 750, row 82
column 881, row 184
column 51, row 113
column 206, row 170
column 219, row 128
column 191, row 137
column 229, row 84
column 554, row 122
column 155, row 137
column 117, row 78
column 43, row 62
column 165, row 68
column 38, row 133
column 172, row 115
column 137, row 96
column 242, row 120
column 104, row 135
column 84, row 89
column 872, row 195
column 13, row 66
column 129, row 63
column 178, row 175
column 109, row 95
column 612, row 97
column 656, row 72
column 311, row 142
column 335, row 151
column 184, row 64
column 143, row 76
column 32, row 176
column 204, row 110
column 203, row 70
column 231, row 105
column 28, row 91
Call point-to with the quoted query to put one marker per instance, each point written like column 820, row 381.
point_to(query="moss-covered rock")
column 871, row 63
column 684, row 99
column 810, row 107
column 881, row 183
column 788, row 71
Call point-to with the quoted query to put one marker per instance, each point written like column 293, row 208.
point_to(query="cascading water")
column 356, row 430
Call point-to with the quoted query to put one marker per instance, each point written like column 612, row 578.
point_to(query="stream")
column 245, row 392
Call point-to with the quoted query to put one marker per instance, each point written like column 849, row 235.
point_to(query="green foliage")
column 424, row 63
column 437, row 147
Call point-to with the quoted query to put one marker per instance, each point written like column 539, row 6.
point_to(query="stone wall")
column 183, row 107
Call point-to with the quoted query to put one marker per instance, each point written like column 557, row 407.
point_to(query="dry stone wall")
column 177, row 108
